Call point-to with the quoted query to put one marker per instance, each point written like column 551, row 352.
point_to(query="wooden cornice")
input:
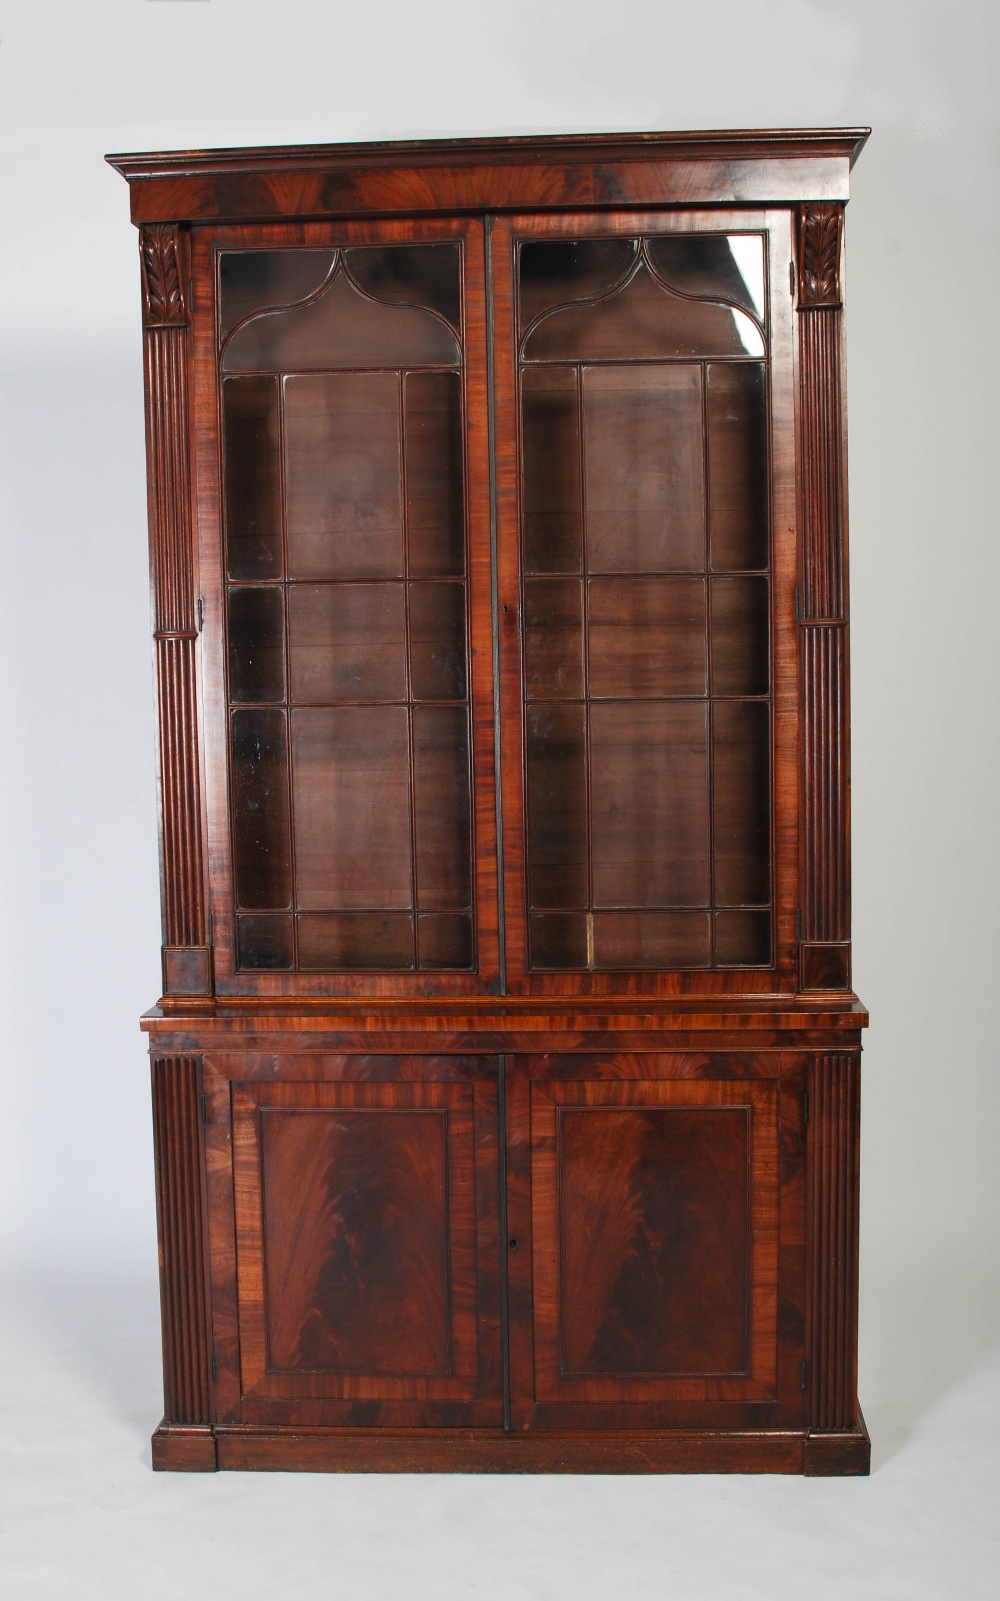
column 734, row 166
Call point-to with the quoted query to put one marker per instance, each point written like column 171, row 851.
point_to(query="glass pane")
column 553, row 272
column 435, row 493
column 444, row 941
column 341, row 328
column 343, row 476
column 552, row 497
column 643, row 321
column 739, row 636
column 259, row 280
column 644, row 468
column 252, row 477
column 730, row 267
column 743, row 939
column 553, row 638
column 264, row 942
column 742, row 822
column 368, row 941
column 261, row 842
column 437, row 641
column 558, row 939
column 652, row 939
column 650, row 804
column 442, row 807
column 346, row 642
column 256, row 645
column 409, row 275
column 351, row 789
column 737, row 465
column 645, row 472
column 647, row 637
column 557, row 806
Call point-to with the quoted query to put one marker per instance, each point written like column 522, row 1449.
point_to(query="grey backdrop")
column 79, row 858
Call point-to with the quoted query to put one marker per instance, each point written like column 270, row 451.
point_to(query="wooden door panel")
column 654, row 1251
column 355, row 1233
column 367, row 1281
column 652, row 1240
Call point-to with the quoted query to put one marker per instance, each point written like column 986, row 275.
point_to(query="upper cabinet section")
column 498, row 533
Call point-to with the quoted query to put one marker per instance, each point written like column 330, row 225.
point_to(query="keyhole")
column 512, row 1245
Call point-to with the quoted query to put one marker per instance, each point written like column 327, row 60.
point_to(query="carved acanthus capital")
column 161, row 251
column 820, row 228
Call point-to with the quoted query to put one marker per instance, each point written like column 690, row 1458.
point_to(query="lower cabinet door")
column 655, row 1250
column 354, row 1229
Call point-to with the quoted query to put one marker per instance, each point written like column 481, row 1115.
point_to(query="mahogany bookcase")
column 506, row 1071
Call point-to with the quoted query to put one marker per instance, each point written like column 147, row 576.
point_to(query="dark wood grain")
column 834, row 1133
column 506, row 1076
column 186, row 959
column 647, row 1450
column 825, row 954
column 367, row 1282
column 182, row 1450
column 715, row 1217
column 653, row 1240
column 179, row 1215
column 519, row 1024
column 738, row 167
column 356, row 1240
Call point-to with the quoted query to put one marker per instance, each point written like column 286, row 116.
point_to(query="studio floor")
column 82, row 1514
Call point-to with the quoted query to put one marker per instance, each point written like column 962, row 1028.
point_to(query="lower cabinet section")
column 586, row 1262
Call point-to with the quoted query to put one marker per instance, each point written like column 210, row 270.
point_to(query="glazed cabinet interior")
column 505, row 1075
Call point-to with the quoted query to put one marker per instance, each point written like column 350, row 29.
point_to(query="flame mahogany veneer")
column 506, row 1071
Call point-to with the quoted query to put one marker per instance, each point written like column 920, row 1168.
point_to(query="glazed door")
column 655, row 1241
column 354, row 1225
column 345, row 557
column 647, row 571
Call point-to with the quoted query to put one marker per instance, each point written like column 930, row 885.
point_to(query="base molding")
column 845, row 1453
column 490, row 1451
column 180, row 1448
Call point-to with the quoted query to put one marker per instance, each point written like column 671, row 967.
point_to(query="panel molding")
column 179, row 1213
column 757, row 1101
column 832, row 1232
column 163, row 250
column 458, row 1107
column 825, row 869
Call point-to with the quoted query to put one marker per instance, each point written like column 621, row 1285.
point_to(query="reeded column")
column 832, row 1218
column 187, row 968
column 824, row 952
column 184, row 1439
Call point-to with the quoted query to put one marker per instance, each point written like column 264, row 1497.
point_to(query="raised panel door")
column 364, row 1193
column 655, row 1226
